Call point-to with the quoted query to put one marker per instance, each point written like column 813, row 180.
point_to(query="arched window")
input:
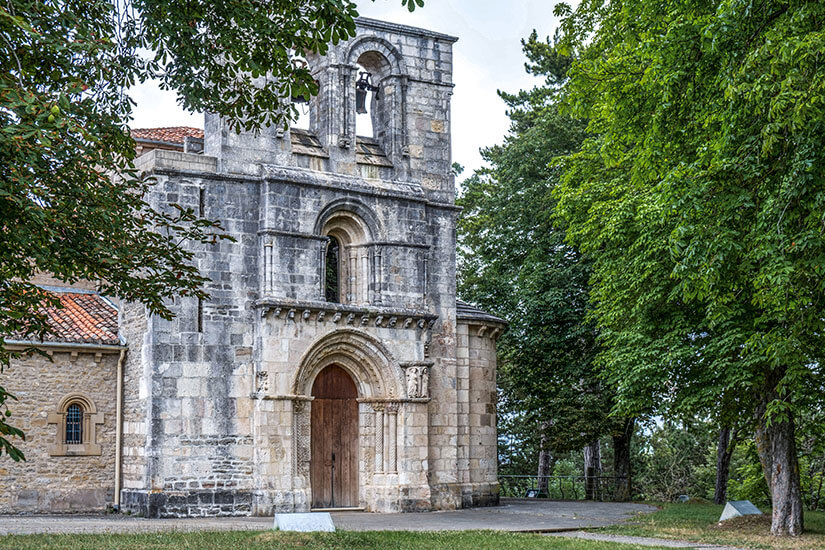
column 346, row 276
column 74, row 424
column 77, row 420
column 333, row 271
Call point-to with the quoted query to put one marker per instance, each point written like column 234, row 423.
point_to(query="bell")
column 362, row 86
column 360, row 101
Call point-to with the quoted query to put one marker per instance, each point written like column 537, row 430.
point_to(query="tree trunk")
column 592, row 470
column 724, row 451
column 776, row 446
column 545, row 464
column 621, row 461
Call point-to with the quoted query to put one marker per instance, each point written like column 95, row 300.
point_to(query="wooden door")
column 334, row 429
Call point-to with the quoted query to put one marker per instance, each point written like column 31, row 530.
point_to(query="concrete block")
column 306, row 521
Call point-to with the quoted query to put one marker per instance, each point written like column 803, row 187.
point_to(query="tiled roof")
column 465, row 311
column 169, row 134
column 83, row 319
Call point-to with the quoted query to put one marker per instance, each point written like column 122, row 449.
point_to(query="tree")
column 700, row 199
column 515, row 263
column 71, row 201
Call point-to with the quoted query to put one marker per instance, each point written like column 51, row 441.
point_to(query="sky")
column 487, row 57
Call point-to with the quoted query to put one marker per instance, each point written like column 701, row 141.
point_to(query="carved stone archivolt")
column 364, row 357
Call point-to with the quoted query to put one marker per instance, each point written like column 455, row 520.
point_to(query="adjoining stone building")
column 332, row 365
column 67, row 407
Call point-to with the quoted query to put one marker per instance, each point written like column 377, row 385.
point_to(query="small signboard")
column 309, row 521
column 737, row 508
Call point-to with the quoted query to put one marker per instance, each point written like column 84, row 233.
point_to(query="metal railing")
column 578, row 487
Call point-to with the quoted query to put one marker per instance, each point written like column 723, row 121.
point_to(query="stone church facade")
column 332, row 365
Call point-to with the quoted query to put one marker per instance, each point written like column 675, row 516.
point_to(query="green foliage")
column 71, row 202
column 674, row 460
column 747, row 481
column 704, row 184
column 700, row 198
column 515, row 263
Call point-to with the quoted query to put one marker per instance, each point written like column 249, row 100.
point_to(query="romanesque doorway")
column 334, row 441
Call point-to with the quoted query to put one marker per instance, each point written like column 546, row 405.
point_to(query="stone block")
column 738, row 508
column 304, row 522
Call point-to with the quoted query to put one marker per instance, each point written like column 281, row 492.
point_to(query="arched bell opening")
column 378, row 104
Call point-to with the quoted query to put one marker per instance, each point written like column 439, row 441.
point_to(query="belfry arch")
column 388, row 106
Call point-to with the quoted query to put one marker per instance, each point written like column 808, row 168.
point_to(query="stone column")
column 379, row 438
column 364, row 276
column 378, row 268
column 268, row 271
column 392, row 414
column 353, row 276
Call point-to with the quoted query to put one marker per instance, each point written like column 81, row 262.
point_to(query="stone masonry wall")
column 188, row 436
column 54, row 484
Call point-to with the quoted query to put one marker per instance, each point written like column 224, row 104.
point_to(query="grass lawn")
column 699, row 522
column 342, row 540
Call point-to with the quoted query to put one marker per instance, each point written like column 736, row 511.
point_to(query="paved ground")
column 642, row 541
column 513, row 515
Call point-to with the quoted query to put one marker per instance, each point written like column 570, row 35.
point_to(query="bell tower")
column 403, row 77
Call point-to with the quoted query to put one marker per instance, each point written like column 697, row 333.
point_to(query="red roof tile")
column 83, row 319
column 169, row 134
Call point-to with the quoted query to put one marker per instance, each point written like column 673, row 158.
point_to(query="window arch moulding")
column 89, row 420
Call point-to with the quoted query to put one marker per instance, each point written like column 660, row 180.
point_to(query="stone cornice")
column 397, row 28
column 344, row 314
column 67, row 347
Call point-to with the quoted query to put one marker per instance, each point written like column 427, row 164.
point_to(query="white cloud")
column 487, row 57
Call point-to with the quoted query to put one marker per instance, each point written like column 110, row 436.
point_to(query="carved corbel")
column 320, row 317
column 407, row 322
column 306, row 314
column 379, row 320
column 291, row 314
column 336, row 317
column 262, row 383
column 393, row 321
column 364, row 320
column 481, row 330
column 350, row 318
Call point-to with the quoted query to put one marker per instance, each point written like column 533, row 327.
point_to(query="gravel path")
column 512, row 515
column 643, row 541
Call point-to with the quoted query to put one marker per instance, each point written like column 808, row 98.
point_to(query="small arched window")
column 333, row 271
column 345, row 275
column 74, row 424
column 77, row 420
